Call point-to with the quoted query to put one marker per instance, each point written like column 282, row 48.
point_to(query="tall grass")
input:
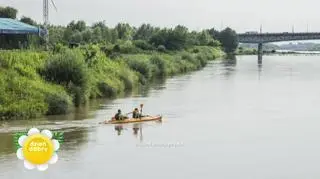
column 24, row 94
column 41, row 83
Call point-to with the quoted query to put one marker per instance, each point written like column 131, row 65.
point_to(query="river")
column 234, row 119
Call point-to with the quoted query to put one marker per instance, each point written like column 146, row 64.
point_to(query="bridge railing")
column 279, row 33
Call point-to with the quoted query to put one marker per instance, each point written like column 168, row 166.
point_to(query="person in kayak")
column 119, row 116
column 135, row 113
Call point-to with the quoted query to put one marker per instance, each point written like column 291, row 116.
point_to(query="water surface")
column 233, row 119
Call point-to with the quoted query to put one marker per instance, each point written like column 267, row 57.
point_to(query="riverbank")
column 37, row 83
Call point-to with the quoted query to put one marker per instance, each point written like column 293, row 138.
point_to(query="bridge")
column 261, row 38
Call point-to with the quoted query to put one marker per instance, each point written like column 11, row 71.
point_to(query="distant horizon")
column 202, row 14
column 199, row 15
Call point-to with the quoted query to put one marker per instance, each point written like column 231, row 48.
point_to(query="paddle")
column 141, row 106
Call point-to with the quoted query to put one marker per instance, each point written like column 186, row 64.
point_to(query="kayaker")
column 135, row 113
column 118, row 116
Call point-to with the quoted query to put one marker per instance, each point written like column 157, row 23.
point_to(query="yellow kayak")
column 132, row 120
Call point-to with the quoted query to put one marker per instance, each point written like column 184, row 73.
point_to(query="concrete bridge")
column 261, row 38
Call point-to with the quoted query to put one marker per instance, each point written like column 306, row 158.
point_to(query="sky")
column 241, row 15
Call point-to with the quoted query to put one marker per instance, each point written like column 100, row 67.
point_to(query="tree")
column 214, row 33
column 67, row 35
column 100, row 25
column 144, row 32
column 159, row 38
column 79, row 25
column 76, row 37
column 87, row 36
column 204, row 37
column 124, row 31
column 56, row 34
column 172, row 39
column 97, row 35
column 101, row 33
column 114, row 35
column 28, row 20
column 177, row 38
column 193, row 38
column 107, row 35
column 8, row 12
column 229, row 40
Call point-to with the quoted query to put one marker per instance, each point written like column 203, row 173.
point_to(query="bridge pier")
column 259, row 60
column 260, row 51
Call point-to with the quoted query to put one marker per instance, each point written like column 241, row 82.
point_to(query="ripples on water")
column 236, row 119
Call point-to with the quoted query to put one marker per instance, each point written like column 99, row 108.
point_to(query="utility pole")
column 260, row 28
column 46, row 21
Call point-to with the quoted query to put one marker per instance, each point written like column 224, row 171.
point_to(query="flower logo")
column 38, row 149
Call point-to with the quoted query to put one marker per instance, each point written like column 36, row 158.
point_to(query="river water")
column 233, row 119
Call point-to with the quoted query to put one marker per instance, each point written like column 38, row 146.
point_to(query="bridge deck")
column 277, row 37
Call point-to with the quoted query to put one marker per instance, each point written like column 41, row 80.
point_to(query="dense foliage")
column 145, row 37
column 95, row 61
column 36, row 83
column 229, row 40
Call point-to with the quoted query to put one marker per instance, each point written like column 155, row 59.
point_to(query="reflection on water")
column 74, row 139
column 118, row 128
column 137, row 128
column 259, row 65
column 144, row 91
column 6, row 144
column 229, row 66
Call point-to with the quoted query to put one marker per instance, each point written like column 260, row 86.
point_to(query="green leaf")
column 16, row 139
column 58, row 136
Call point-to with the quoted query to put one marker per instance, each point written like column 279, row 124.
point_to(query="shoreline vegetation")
column 86, row 62
column 253, row 51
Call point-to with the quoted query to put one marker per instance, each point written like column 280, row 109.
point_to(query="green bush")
column 23, row 98
column 8, row 59
column 128, row 48
column 190, row 58
column 69, row 70
column 195, row 50
column 116, row 48
column 160, row 66
column 58, row 103
column 202, row 59
column 214, row 43
column 77, row 94
column 140, row 65
column 58, row 48
column 142, row 44
column 65, row 68
column 107, row 90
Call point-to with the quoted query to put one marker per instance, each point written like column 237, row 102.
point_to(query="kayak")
column 132, row 120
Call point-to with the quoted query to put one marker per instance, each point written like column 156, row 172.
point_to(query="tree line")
column 146, row 37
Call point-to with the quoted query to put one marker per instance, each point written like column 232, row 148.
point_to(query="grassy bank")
column 36, row 83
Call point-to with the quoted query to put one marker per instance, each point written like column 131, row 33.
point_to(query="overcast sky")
column 241, row 15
